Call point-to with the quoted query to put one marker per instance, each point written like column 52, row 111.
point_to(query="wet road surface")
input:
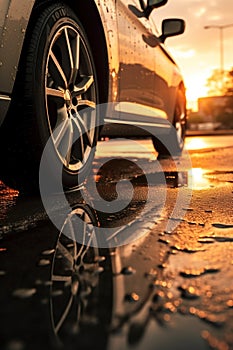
column 157, row 274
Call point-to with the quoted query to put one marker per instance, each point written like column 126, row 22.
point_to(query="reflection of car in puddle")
column 94, row 292
column 87, row 288
column 98, row 299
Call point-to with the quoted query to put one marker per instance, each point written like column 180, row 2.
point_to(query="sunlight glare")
column 197, row 180
column 196, row 143
column 195, row 88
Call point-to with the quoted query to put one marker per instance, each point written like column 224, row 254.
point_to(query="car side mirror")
column 172, row 27
column 156, row 3
column 149, row 5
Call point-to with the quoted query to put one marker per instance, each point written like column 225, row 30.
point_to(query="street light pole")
column 221, row 28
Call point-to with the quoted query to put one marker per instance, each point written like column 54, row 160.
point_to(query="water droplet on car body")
column 44, row 262
column 24, row 293
column 48, row 252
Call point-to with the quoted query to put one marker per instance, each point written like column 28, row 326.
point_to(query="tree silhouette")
column 229, row 83
column 220, row 83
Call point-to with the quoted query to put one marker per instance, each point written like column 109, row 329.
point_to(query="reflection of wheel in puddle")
column 76, row 278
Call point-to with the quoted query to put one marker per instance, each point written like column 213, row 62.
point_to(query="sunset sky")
column 197, row 51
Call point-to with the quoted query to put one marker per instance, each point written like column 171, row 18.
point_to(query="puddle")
column 194, row 179
column 164, row 333
column 129, row 270
column 223, row 239
column 197, row 179
column 132, row 297
column 201, row 179
column 219, row 234
column 222, row 226
column 210, row 142
column 213, row 319
column 189, row 292
column 185, row 249
column 192, row 273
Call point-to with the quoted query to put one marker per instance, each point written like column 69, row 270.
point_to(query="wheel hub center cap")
column 68, row 98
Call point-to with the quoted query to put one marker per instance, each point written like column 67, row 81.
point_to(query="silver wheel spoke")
column 69, row 49
column 84, row 85
column 87, row 246
column 64, row 315
column 83, row 128
column 73, row 47
column 57, row 69
column 60, row 132
column 87, row 235
column 76, row 51
column 79, row 142
column 65, row 252
column 55, row 93
column 60, row 278
column 87, row 103
column 81, row 149
column 70, row 57
column 69, row 143
column 64, row 141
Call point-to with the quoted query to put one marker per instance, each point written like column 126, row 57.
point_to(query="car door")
column 167, row 77
column 137, row 100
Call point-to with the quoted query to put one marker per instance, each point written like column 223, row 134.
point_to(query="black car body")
column 59, row 60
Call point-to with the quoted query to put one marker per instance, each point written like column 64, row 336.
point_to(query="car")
column 60, row 60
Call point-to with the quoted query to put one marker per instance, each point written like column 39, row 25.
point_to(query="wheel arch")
column 182, row 88
column 88, row 13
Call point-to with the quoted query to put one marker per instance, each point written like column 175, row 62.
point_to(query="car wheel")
column 173, row 143
column 58, row 92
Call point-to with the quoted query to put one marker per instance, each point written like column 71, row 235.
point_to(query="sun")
column 195, row 88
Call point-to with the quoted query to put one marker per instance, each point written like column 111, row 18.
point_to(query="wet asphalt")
column 154, row 272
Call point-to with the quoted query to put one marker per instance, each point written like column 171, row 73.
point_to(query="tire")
column 172, row 145
column 56, row 98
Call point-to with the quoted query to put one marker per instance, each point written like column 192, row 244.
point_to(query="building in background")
column 214, row 112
